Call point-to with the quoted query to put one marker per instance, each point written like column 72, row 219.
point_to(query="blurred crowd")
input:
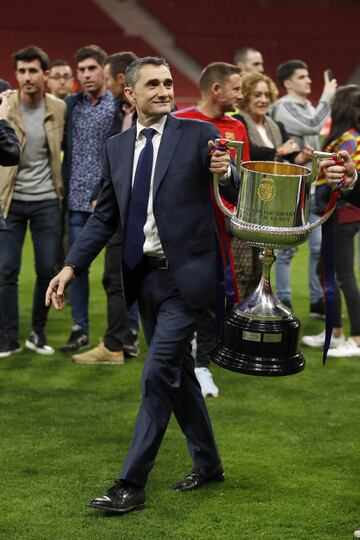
column 52, row 134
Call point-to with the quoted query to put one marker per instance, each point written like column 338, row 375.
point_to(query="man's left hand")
column 219, row 161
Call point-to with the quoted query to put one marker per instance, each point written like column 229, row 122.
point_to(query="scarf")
column 271, row 128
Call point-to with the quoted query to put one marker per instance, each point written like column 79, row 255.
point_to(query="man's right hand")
column 56, row 290
column 329, row 86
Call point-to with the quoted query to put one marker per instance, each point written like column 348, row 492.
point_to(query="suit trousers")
column 168, row 380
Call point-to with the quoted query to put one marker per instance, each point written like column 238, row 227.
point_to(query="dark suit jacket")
column 181, row 202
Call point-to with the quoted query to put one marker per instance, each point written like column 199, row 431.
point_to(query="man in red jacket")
column 220, row 86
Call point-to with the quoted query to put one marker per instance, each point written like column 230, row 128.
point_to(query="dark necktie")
column 137, row 213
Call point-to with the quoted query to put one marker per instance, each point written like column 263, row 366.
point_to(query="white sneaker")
column 205, row 379
column 37, row 342
column 357, row 533
column 319, row 339
column 350, row 348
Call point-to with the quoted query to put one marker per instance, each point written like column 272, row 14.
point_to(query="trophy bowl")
column 260, row 336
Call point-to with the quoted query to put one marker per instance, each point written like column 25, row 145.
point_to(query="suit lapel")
column 169, row 141
column 126, row 158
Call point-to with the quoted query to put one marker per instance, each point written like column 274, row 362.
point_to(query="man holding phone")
column 303, row 123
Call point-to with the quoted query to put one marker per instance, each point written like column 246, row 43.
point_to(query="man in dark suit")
column 156, row 180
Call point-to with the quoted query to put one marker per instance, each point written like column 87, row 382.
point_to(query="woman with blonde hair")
column 269, row 140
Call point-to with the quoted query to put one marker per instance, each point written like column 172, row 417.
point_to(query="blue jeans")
column 316, row 290
column 283, row 266
column 283, row 272
column 79, row 290
column 44, row 218
column 133, row 314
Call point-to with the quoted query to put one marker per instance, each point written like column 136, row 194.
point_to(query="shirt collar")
column 158, row 126
column 86, row 97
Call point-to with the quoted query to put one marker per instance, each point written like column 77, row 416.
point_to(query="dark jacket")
column 264, row 153
column 9, row 145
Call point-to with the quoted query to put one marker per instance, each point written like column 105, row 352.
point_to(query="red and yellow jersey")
column 349, row 141
column 229, row 128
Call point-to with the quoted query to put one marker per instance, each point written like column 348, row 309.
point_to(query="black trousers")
column 344, row 235
column 117, row 315
column 205, row 337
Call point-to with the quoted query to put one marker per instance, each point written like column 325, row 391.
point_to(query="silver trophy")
column 260, row 336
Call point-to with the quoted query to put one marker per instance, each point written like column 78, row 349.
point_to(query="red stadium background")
column 323, row 33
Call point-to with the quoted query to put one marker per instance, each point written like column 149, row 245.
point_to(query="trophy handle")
column 224, row 144
column 317, row 156
column 323, row 218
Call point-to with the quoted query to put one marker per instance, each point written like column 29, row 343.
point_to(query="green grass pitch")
column 290, row 446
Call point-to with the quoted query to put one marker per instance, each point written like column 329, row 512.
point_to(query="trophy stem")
column 263, row 303
column 267, row 258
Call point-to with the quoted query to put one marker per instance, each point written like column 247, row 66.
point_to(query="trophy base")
column 267, row 348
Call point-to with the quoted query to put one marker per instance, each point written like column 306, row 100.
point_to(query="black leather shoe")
column 198, row 477
column 120, row 499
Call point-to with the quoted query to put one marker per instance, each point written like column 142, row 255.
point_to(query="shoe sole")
column 97, row 362
column 117, row 510
column 9, row 353
column 131, row 355
column 344, row 355
column 32, row 347
column 319, row 346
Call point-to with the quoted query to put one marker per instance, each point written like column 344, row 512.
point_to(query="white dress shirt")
column 152, row 245
column 267, row 142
